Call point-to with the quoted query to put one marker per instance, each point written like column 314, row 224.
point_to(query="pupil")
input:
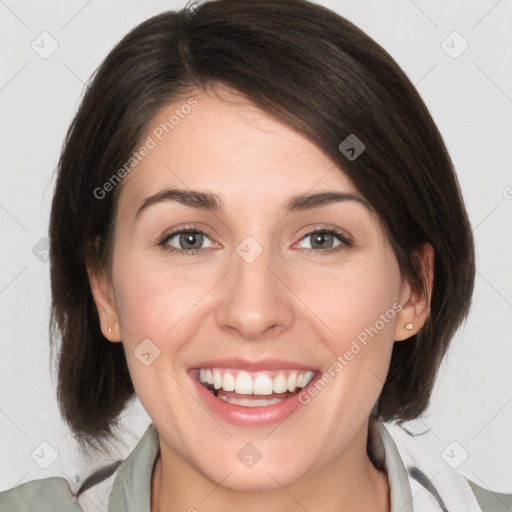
column 322, row 240
column 191, row 240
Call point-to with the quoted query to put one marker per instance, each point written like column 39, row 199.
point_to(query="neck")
column 347, row 484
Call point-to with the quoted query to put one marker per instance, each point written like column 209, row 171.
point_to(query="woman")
column 256, row 229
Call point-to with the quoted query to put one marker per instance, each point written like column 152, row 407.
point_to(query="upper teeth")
column 259, row 383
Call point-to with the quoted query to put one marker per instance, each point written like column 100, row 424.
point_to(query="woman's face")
column 249, row 298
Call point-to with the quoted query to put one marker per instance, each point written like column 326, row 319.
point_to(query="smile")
column 247, row 389
column 252, row 394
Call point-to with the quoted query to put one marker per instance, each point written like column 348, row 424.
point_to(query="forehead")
column 225, row 144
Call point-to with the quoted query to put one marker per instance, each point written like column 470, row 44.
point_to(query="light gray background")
column 470, row 97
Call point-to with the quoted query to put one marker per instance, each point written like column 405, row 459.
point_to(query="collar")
column 385, row 454
column 131, row 491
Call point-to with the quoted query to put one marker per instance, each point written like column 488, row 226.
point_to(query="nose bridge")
column 254, row 300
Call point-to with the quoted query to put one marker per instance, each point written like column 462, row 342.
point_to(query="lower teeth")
column 251, row 402
column 246, row 402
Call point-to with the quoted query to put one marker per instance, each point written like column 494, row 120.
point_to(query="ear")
column 416, row 307
column 103, row 298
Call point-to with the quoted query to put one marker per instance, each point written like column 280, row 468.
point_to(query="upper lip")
column 253, row 365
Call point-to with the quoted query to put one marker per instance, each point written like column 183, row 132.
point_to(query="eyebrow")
column 212, row 202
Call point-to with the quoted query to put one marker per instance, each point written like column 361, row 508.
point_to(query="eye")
column 189, row 241
column 324, row 240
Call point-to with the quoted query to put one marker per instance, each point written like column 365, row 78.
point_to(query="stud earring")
column 409, row 326
column 110, row 329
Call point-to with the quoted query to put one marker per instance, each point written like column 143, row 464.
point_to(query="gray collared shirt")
column 128, row 488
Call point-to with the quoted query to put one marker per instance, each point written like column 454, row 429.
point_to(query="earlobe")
column 415, row 305
column 105, row 304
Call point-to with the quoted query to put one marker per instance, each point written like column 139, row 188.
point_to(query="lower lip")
column 248, row 416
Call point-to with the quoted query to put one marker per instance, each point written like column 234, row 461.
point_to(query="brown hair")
column 321, row 75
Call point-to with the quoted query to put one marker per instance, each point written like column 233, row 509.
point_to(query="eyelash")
column 346, row 242
column 342, row 237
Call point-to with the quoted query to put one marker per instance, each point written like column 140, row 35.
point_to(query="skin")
column 287, row 304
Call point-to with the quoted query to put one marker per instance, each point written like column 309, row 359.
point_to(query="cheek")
column 353, row 299
column 153, row 298
column 154, row 303
column 358, row 303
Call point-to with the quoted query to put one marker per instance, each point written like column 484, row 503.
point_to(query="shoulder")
column 490, row 501
column 44, row 495
column 452, row 490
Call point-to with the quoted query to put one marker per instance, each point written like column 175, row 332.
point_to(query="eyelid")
column 173, row 234
column 184, row 228
column 162, row 240
column 344, row 236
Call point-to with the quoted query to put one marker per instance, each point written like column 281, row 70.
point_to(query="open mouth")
column 253, row 389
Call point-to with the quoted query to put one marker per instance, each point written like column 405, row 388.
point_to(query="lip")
column 253, row 365
column 250, row 416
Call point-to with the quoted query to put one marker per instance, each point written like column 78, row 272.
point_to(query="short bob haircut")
column 316, row 72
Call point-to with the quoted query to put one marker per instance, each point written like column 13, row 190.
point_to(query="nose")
column 255, row 303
